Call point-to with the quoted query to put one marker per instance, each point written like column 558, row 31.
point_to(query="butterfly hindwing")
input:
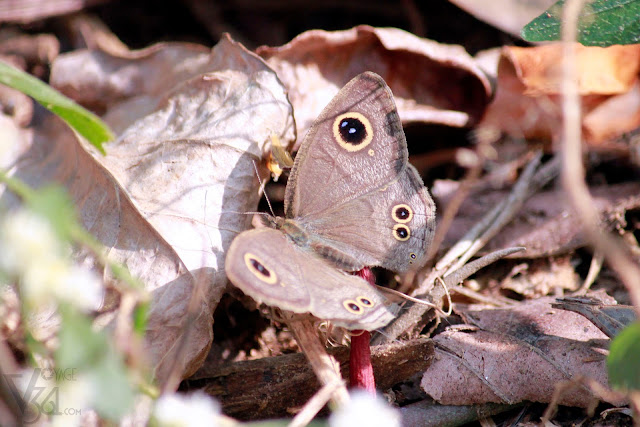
column 266, row 265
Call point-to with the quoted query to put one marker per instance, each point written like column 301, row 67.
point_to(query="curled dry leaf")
column 527, row 101
column 170, row 195
column 518, row 354
column 431, row 82
column 546, row 224
column 35, row 50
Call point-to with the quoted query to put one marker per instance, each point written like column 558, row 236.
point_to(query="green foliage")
column 83, row 121
column 93, row 356
column 624, row 359
column 53, row 202
column 601, row 23
column 140, row 316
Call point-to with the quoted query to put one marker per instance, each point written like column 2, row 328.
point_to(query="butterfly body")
column 352, row 200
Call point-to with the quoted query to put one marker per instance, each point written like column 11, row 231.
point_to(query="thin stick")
column 498, row 217
column 594, row 269
column 326, row 368
column 262, row 187
column 315, row 404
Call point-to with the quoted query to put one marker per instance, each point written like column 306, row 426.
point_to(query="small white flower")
column 41, row 278
column 75, row 396
column 80, row 287
column 178, row 410
column 31, row 251
column 365, row 410
column 25, row 237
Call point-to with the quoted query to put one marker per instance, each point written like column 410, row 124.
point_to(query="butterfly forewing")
column 355, row 146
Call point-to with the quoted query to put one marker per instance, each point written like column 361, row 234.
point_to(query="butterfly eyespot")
column 401, row 232
column 413, row 257
column 371, row 152
column 257, row 267
column 352, row 306
column 365, row 302
column 352, row 131
column 402, row 213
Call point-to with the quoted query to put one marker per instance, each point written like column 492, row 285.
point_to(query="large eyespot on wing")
column 256, row 263
column 352, row 131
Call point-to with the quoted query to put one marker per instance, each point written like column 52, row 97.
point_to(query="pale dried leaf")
column 34, row 49
column 189, row 169
column 517, row 354
column 614, row 116
column 172, row 191
column 188, row 165
column 431, row 82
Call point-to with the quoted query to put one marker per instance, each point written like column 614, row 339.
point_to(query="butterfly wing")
column 355, row 146
column 351, row 179
column 304, row 283
column 390, row 227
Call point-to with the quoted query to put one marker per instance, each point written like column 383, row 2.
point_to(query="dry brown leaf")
column 431, row 82
column 508, row 15
column 188, row 167
column 601, row 70
column 129, row 85
column 546, row 225
column 518, row 354
column 190, row 161
column 172, row 191
column 527, row 102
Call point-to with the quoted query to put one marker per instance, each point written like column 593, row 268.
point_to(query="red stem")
column 360, row 369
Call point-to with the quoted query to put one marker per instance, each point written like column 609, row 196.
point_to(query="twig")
column 462, row 273
column 594, row 269
column 412, row 317
column 315, row 404
column 325, row 367
column 492, row 222
column 573, row 170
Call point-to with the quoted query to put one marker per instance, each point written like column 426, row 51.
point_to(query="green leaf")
column 623, row 362
column 53, row 202
column 140, row 315
column 601, row 23
column 90, row 354
column 83, row 121
column 80, row 346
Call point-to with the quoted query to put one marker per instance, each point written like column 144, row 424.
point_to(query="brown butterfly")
column 352, row 200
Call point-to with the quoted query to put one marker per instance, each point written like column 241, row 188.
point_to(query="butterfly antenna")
column 418, row 301
column 262, row 186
